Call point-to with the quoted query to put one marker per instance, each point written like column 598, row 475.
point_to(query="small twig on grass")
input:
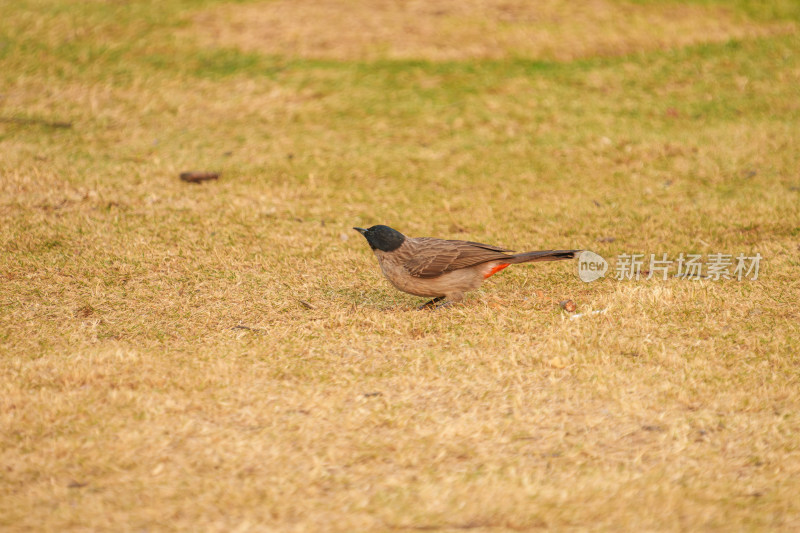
column 199, row 176
column 248, row 328
column 306, row 304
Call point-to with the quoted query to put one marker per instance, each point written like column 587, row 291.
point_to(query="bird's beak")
column 362, row 231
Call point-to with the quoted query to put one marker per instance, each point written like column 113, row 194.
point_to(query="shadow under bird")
column 443, row 269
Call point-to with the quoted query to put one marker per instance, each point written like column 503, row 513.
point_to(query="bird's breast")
column 457, row 281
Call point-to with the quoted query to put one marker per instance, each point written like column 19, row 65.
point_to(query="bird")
column 443, row 269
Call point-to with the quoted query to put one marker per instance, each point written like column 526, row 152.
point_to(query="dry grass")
column 473, row 29
column 160, row 371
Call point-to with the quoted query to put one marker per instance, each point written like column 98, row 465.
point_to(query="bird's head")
column 382, row 237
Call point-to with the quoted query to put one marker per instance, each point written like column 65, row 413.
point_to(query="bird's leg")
column 431, row 304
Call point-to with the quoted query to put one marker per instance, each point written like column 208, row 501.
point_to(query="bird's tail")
column 545, row 255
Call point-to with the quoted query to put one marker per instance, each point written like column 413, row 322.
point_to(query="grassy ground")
column 228, row 357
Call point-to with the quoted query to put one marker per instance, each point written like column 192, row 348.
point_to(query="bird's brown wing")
column 429, row 257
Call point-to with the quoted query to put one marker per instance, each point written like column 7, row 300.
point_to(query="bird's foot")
column 433, row 304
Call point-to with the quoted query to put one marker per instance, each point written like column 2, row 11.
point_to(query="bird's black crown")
column 382, row 237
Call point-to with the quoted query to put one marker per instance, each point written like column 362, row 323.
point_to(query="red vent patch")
column 495, row 270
